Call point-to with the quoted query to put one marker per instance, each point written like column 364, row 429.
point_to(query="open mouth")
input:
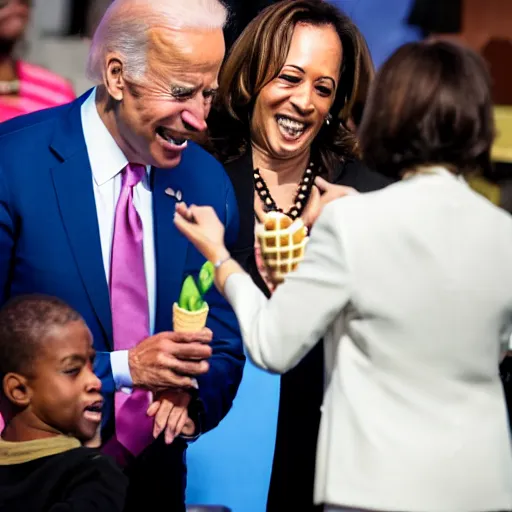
column 291, row 128
column 93, row 411
column 168, row 137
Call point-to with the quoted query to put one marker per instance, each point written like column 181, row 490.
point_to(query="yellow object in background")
column 486, row 188
column 501, row 152
column 502, row 148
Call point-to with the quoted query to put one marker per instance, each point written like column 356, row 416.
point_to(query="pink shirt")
column 39, row 89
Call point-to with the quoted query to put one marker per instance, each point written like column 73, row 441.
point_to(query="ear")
column 17, row 390
column 114, row 78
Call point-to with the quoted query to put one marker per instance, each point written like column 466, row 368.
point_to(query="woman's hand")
column 323, row 193
column 203, row 228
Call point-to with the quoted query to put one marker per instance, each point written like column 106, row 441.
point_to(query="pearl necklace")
column 301, row 197
column 9, row 87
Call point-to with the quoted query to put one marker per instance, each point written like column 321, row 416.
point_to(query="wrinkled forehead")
column 185, row 53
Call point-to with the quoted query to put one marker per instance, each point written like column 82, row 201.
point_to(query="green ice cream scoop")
column 192, row 293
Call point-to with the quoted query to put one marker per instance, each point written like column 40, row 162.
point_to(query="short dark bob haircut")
column 430, row 104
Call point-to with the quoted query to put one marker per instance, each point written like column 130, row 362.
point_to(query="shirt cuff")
column 195, row 413
column 121, row 369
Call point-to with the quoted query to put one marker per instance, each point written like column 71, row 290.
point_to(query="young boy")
column 51, row 404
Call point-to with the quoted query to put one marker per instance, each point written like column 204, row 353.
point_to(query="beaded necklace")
column 9, row 87
column 301, row 197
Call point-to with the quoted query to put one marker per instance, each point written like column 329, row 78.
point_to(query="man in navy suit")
column 87, row 199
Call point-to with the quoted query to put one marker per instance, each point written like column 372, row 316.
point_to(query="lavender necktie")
column 130, row 313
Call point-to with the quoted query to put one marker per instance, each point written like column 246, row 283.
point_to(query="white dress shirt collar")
column 107, row 161
column 106, row 157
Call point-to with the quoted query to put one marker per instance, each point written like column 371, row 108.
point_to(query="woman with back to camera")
column 285, row 100
column 411, row 288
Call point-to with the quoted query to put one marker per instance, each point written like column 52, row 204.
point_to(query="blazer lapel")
column 72, row 179
column 170, row 245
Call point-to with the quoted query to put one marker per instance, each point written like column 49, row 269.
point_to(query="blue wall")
column 382, row 23
column 231, row 465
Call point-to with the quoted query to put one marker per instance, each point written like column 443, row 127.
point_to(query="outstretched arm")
column 277, row 332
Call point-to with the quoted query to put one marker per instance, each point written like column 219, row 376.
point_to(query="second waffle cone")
column 282, row 244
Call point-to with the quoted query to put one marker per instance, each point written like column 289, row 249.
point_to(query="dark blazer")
column 293, row 470
column 50, row 243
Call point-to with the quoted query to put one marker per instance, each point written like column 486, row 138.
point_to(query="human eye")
column 324, row 90
column 289, row 78
column 209, row 94
column 72, row 371
column 182, row 93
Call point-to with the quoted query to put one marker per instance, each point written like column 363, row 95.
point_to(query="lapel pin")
column 172, row 193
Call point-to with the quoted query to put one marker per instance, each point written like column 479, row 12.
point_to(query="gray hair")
column 124, row 29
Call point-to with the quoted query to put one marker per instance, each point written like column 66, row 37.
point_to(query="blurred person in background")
column 241, row 13
column 24, row 87
column 411, row 289
column 78, row 17
column 284, row 118
column 95, row 12
column 436, row 16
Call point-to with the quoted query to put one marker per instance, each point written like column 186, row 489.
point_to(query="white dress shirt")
column 107, row 161
column 411, row 289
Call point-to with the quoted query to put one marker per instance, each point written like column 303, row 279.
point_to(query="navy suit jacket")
column 50, row 243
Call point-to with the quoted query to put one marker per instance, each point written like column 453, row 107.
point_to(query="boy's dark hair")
column 430, row 104
column 24, row 323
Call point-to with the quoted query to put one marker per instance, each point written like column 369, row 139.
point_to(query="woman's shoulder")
column 354, row 173
column 43, row 77
column 240, row 174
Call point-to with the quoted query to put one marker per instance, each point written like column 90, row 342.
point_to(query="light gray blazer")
column 411, row 288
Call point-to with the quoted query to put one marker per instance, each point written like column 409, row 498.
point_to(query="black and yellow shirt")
column 58, row 475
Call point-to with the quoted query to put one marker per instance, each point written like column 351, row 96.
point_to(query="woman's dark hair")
column 429, row 104
column 258, row 56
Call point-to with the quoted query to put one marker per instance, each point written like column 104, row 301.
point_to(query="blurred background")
column 57, row 36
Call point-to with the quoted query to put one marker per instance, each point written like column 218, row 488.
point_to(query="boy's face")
column 64, row 392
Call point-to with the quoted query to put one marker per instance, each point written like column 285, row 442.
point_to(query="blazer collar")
column 72, row 180
column 68, row 138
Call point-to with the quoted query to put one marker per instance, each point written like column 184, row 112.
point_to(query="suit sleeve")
column 217, row 388
column 7, row 237
column 278, row 332
column 103, row 369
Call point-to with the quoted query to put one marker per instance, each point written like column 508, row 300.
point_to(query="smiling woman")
column 282, row 120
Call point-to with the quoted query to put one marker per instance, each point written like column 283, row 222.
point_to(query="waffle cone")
column 188, row 321
column 282, row 244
